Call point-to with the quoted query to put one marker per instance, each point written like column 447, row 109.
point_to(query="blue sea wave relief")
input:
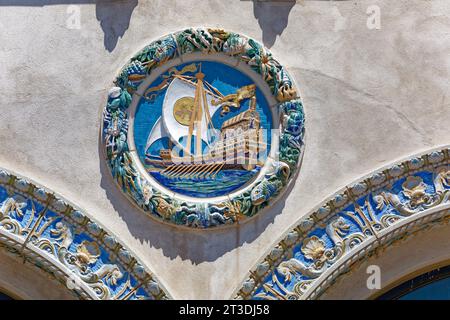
column 225, row 182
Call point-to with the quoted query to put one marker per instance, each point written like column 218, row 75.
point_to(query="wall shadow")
column 189, row 244
column 197, row 246
column 272, row 17
column 114, row 15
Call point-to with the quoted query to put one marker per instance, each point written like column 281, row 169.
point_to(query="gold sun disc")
column 182, row 110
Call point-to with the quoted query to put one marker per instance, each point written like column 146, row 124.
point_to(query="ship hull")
column 233, row 164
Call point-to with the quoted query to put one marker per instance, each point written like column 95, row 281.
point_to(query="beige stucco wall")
column 22, row 280
column 371, row 97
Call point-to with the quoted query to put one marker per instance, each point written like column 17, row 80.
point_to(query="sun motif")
column 182, row 110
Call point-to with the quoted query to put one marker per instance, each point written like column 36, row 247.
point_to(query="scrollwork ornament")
column 348, row 226
column 64, row 242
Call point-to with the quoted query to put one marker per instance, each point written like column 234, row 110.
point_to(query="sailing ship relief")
column 215, row 137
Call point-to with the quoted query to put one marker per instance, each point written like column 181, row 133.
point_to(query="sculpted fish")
column 274, row 179
column 264, row 191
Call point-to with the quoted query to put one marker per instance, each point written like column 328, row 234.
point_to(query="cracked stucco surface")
column 371, row 98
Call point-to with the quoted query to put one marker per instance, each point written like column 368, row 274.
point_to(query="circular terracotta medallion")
column 203, row 128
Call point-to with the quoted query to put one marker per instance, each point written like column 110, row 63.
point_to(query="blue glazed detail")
column 207, row 213
column 65, row 238
column 149, row 111
column 296, row 268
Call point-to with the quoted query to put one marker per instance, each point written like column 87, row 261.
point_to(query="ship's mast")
column 200, row 107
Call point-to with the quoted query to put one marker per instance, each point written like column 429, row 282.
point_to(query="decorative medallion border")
column 166, row 206
column 373, row 213
column 47, row 231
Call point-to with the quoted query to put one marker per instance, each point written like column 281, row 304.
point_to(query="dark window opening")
column 433, row 285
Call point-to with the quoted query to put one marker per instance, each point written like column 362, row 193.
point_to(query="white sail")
column 168, row 126
column 156, row 133
column 175, row 130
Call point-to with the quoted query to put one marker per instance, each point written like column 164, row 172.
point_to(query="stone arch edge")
column 55, row 235
column 306, row 261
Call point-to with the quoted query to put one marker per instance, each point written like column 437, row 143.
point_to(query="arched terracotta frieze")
column 49, row 232
column 370, row 214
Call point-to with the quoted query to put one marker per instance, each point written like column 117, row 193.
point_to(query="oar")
column 167, row 169
column 192, row 167
column 208, row 167
column 212, row 169
column 177, row 173
column 204, row 167
column 217, row 171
